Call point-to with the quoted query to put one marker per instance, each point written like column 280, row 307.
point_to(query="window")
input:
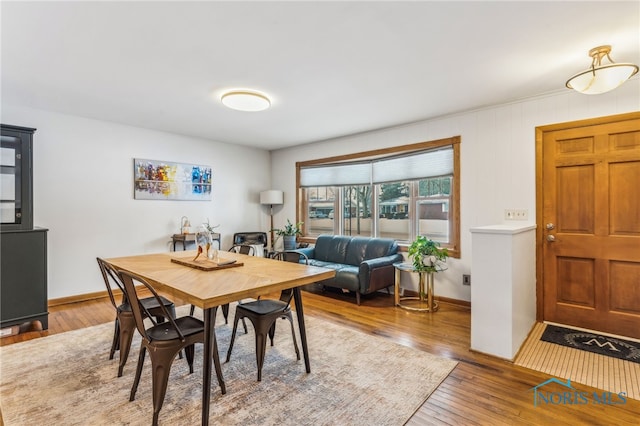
column 319, row 212
column 393, row 193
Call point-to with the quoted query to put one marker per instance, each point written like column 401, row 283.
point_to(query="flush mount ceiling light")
column 601, row 78
column 245, row 100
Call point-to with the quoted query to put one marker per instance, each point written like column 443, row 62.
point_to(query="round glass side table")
column 424, row 302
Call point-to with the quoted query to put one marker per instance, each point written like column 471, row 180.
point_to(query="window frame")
column 454, row 142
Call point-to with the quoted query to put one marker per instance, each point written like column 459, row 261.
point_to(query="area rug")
column 596, row 343
column 355, row 379
column 585, row 367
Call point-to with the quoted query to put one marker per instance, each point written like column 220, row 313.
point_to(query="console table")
column 183, row 238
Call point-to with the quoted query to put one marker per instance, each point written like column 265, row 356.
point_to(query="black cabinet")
column 23, row 277
column 23, row 248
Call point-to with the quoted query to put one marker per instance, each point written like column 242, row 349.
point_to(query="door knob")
column 550, row 226
column 551, row 238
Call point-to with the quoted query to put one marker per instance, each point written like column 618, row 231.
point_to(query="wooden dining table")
column 208, row 289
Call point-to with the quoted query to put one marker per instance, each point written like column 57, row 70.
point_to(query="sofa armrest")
column 309, row 252
column 376, row 274
column 381, row 261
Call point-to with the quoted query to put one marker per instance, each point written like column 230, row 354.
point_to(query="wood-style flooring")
column 481, row 390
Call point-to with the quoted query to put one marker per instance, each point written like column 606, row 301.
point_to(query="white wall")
column 83, row 192
column 497, row 159
column 83, row 179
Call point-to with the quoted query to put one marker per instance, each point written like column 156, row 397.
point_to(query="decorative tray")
column 208, row 265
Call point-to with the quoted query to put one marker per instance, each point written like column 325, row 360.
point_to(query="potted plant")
column 289, row 234
column 426, row 254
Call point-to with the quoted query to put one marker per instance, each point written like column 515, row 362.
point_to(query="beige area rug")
column 356, row 379
column 591, row 369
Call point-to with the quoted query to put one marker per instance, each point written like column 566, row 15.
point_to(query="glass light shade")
column 601, row 79
column 272, row 197
column 245, row 100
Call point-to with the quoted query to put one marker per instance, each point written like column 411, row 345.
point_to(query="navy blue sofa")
column 363, row 265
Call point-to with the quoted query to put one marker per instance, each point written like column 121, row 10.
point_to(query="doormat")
column 596, row 343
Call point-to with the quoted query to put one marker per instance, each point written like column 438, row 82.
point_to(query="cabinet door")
column 16, row 211
column 23, row 272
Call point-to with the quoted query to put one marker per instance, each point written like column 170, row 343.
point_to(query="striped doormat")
column 591, row 369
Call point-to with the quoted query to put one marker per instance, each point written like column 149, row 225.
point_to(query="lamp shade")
column 272, row 197
column 601, row 78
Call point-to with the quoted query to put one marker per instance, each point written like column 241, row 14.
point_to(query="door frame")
column 540, row 131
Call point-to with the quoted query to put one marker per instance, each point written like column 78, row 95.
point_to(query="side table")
column 183, row 238
column 424, row 302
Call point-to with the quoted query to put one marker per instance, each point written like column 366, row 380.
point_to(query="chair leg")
column 358, row 298
column 127, row 326
column 116, row 338
column 244, row 324
column 272, row 332
column 136, row 381
column 161, row 362
column 233, row 336
column 192, row 310
column 216, row 363
column 189, row 351
column 225, row 313
column 293, row 334
column 261, row 346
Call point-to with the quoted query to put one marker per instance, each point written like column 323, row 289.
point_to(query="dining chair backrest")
column 243, row 249
column 292, row 256
column 110, row 276
column 138, row 309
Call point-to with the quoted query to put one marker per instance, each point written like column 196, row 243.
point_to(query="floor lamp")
column 271, row 198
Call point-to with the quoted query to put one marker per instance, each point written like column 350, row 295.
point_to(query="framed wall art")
column 165, row 180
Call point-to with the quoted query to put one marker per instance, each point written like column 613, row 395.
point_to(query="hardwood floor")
column 481, row 390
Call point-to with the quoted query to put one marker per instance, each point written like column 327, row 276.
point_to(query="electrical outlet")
column 466, row 279
column 516, row 214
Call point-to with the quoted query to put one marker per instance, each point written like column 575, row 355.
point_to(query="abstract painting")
column 165, row 180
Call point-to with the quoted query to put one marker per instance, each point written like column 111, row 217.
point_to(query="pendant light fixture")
column 601, row 78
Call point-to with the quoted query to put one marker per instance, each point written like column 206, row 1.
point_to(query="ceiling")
column 331, row 68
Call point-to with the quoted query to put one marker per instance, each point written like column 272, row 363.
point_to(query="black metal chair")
column 163, row 341
column 243, row 249
column 263, row 314
column 124, row 322
column 250, row 238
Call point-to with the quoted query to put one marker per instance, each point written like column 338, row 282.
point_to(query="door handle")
column 550, row 226
column 551, row 238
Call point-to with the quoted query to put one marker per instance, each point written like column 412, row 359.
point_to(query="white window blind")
column 414, row 166
column 336, row 175
column 420, row 165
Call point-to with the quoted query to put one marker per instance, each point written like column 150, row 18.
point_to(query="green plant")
column 289, row 229
column 423, row 247
column 208, row 227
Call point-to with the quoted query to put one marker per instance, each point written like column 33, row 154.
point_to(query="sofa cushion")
column 332, row 248
column 347, row 277
column 325, row 264
column 356, row 250
column 380, row 247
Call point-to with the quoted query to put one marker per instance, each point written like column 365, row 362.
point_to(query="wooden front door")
column 589, row 224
